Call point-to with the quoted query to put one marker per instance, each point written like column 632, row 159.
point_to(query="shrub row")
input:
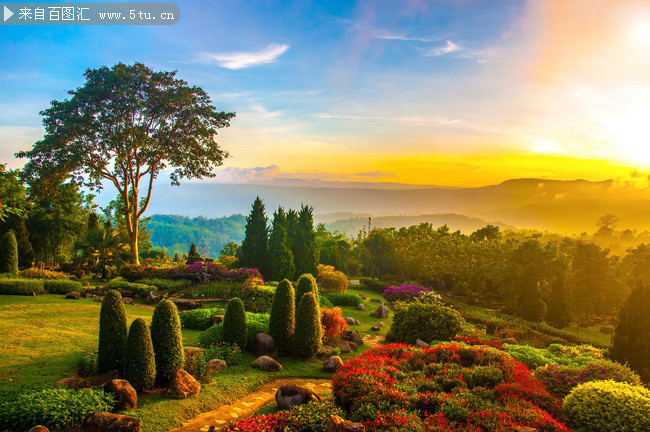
column 21, row 286
column 343, row 299
column 137, row 288
column 38, row 273
column 374, row 284
column 61, row 286
column 554, row 355
column 199, row 319
column 168, row 285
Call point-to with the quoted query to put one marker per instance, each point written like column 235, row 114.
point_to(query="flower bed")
column 404, row 292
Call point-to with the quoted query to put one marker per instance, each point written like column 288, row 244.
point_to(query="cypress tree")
column 234, row 323
column 558, row 314
column 112, row 333
column 280, row 259
column 9, row 251
column 292, row 227
column 16, row 224
column 307, row 340
column 193, row 256
column 167, row 341
column 282, row 321
column 305, row 252
column 631, row 342
column 139, row 361
column 254, row 246
column 306, row 283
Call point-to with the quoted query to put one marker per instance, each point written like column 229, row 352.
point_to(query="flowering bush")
column 404, row 292
column 34, row 272
column 427, row 322
column 196, row 271
column 230, row 353
column 474, row 341
column 332, row 322
column 88, row 363
column 265, row 423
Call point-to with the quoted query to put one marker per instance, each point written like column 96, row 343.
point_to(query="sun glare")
column 639, row 31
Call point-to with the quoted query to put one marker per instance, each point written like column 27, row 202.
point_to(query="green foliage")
column 139, row 362
column 197, row 366
column 312, row 417
column 16, row 224
column 193, row 256
column 604, row 406
column 254, row 246
column 331, row 280
column 324, row 302
column 304, row 248
column 258, row 299
column 308, row 335
column 427, row 322
column 342, row 299
column 137, row 288
column 230, row 353
column 374, row 284
column 8, row 253
column 234, row 323
column 558, row 313
column 255, row 323
column 280, row 261
column 55, row 408
column 631, row 341
column 556, row 354
column 112, row 333
column 282, row 319
column 168, row 285
column 61, row 286
column 166, row 339
column 306, row 283
column 88, row 363
column 21, row 286
column 533, row 310
column 199, row 319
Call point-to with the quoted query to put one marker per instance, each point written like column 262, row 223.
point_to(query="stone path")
column 218, row 419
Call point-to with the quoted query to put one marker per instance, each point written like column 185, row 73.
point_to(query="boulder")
column 376, row 300
column 128, row 300
column 125, row 396
column 109, row 422
column 355, row 337
column 192, row 351
column 362, row 296
column 356, row 322
column 71, row 383
column 39, row 428
column 74, row 295
column 289, row 395
column 216, row 365
column 337, row 424
column 375, row 328
column 182, row 385
column 422, row 344
column 184, row 305
column 508, row 340
column 608, row 329
column 381, row 324
column 264, row 345
column 266, row 363
column 152, row 297
column 84, row 294
column 361, row 307
column 332, row 364
column 100, row 381
column 344, row 346
column 326, row 351
column 353, row 346
column 216, row 319
column 85, row 283
column 350, row 321
column 98, row 299
column 381, row 312
column 125, row 293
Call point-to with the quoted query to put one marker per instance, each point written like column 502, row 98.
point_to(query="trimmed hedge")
column 324, row 302
column 374, row 284
column 343, row 299
column 428, row 322
column 257, row 299
column 255, row 323
column 306, row 283
column 167, row 341
column 112, row 333
column 168, row 285
column 234, row 323
column 199, row 319
column 139, row 361
column 21, row 286
column 137, row 288
column 61, row 286
column 282, row 321
column 307, row 339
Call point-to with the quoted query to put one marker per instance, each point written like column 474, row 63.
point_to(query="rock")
column 375, row 328
column 74, row 295
column 125, row 293
column 350, row 321
column 137, row 296
column 326, row 351
column 30, row 294
column 183, row 304
column 362, row 296
column 356, row 322
column 128, row 300
column 71, row 383
column 84, row 294
column 353, row 346
column 375, row 300
column 422, row 344
column 264, row 345
column 100, row 381
column 98, row 299
column 332, row 364
column 192, row 351
column 182, row 385
column 216, row 365
column 108, row 422
column 39, row 428
column 216, row 319
column 344, row 346
column 152, row 297
column 381, row 324
column 85, row 283
column 289, row 395
column 355, row 337
column 125, row 396
column 361, row 307
column 266, row 363
column 337, row 424
column 509, row 340
column 608, row 329
column 381, row 312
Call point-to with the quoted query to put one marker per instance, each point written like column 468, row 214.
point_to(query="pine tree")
column 306, row 283
column 280, row 259
column 167, row 341
column 631, row 342
column 305, row 252
column 112, row 333
column 193, row 256
column 307, row 340
column 282, row 321
column 558, row 314
column 234, row 323
column 254, row 246
column 139, row 361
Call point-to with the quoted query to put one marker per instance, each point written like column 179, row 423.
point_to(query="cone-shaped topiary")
column 167, row 341
column 8, row 253
column 282, row 321
column 139, row 362
column 234, row 323
column 307, row 339
column 112, row 333
column 306, row 283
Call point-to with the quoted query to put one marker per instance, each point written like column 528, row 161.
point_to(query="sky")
column 446, row 92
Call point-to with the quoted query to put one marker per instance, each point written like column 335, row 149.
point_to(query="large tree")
column 304, row 248
column 124, row 126
column 255, row 244
column 279, row 257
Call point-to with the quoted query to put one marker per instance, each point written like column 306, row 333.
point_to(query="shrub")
column 560, row 380
column 533, row 310
column 342, row 299
column 55, row 408
column 307, row 339
column 199, row 319
column 255, row 323
column 257, row 299
column 61, row 286
column 282, row 320
column 312, row 417
column 374, row 284
column 276, row 422
column 112, row 333
column 324, row 302
column 166, row 340
column 21, row 286
column 306, row 283
column 139, row 362
column 331, row 280
column 8, row 253
column 556, row 354
column 426, row 322
column 404, row 292
column 473, row 341
column 137, row 288
column 197, row 366
column 168, row 285
column 332, row 322
column 230, row 353
column 604, row 406
column 38, row 273
column 234, row 323
column 88, row 363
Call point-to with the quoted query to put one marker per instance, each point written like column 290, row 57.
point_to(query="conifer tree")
column 305, row 252
column 306, row 283
column 193, row 256
column 166, row 340
column 139, row 362
column 16, row 224
column 307, row 340
column 280, row 258
column 254, row 246
column 282, row 321
column 8, row 253
column 112, row 333
column 234, row 323
column 292, row 226
column 558, row 314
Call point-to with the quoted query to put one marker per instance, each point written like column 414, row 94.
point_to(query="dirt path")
column 218, row 419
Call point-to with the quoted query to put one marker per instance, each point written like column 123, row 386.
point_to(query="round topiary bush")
column 139, row 361
column 428, row 322
column 306, row 283
column 234, row 323
column 8, row 253
column 112, row 333
column 166, row 339
column 604, row 406
column 282, row 321
column 307, row 339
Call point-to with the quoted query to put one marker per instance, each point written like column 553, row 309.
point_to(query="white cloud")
column 408, row 120
column 449, row 47
column 386, row 35
column 241, row 60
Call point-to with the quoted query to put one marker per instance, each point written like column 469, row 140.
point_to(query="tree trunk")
column 133, row 243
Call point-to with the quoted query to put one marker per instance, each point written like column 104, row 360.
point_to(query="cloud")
column 273, row 175
column 409, row 120
column 449, row 47
column 386, row 35
column 241, row 60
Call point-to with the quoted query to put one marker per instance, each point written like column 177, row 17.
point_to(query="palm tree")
column 103, row 247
